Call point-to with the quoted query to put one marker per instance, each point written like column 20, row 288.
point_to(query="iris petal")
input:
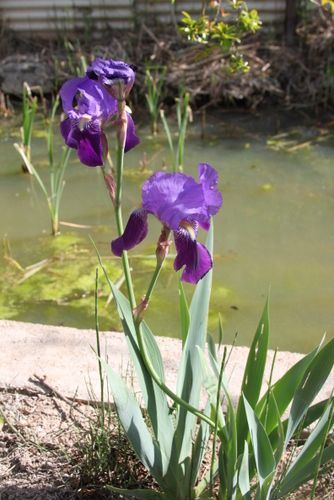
column 90, row 149
column 66, row 132
column 110, row 73
column 67, row 93
column 173, row 197
column 181, row 204
column 89, row 107
column 194, row 256
column 135, row 231
column 208, row 178
column 131, row 139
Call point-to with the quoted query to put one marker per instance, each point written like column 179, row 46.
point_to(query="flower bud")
column 139, row 311
column 110, row 183
column 163, row 246
column 116, row 77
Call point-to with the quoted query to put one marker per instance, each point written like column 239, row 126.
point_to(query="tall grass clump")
column 56, row 169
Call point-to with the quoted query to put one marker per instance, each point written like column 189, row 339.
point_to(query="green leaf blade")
column 263, row 453
column 155, row 399
column 189, row 378
column 132, row 420
column 253, row 376
column 311, row 383
column 283, row 391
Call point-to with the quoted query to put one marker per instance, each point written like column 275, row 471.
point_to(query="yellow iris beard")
column 84, row 119
column 189, row 228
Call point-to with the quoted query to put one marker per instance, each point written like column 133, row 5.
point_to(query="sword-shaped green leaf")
column 313, row 380
column 253, row 376
column 135, row 428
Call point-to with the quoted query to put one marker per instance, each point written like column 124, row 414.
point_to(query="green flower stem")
column 120, row 163
column 161, row 253
column 125, row 260
column 119, row 222
column 161, row 384
column 153, row 282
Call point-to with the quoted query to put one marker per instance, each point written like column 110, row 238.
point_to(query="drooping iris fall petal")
column 135, row 231
column 194, row 256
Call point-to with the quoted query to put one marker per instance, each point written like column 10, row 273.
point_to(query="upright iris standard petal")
column 116, row 77
column 135, row 231
column 83, row 129
column 194, row 256
column 172, row 197
column 208, row 178
column 91, row 98
column 181, row 205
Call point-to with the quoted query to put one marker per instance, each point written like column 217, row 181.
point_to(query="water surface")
column 274, row 231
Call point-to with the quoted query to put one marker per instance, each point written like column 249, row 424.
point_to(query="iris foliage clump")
column 247, row 446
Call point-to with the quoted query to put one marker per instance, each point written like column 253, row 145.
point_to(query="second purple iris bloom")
column 181, row 205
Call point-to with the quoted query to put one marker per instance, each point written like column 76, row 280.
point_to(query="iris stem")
column 153, row 282
column 120, row 162
column 119, row 223
column 117, row 201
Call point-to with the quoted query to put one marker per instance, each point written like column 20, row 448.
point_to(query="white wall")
column 52, row 17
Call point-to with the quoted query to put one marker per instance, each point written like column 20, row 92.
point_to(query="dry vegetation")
column 51, row 449
column 301, row 75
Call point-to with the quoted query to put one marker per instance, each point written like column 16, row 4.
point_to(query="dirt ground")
column 43, row 449
column 47, row 441
column 33, row 464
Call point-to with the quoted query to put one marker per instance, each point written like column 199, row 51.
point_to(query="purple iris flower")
column 181, row 205
column 116, row 77
column 83, row 128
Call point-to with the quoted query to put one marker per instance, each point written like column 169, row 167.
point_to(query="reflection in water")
column 275, row 230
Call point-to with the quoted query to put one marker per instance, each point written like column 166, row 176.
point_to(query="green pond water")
column 274, row 231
